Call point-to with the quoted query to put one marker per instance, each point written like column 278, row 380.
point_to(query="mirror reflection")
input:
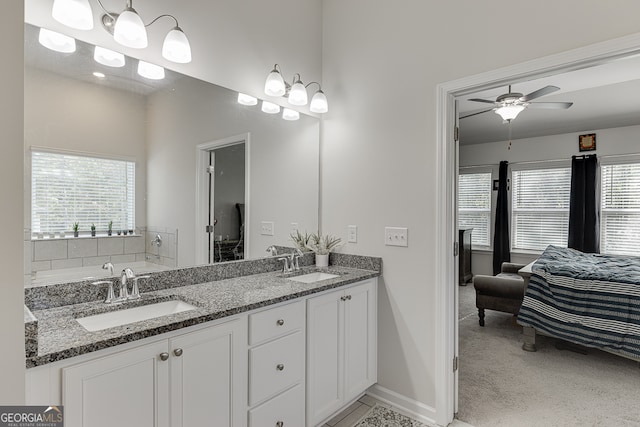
column 213, row 180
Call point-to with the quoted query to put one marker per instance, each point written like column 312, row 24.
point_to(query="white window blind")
column 540, row 208
column 474, row 206
column 620, row 213
column 69, row 188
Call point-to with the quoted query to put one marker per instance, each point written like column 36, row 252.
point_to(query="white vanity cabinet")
column 277, row 366
column 341, row 348
column 191, row 379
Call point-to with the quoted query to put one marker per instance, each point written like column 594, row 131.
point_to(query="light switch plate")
column 294, row 228
column 266, row 228
column 352, row 234
column 396, row 236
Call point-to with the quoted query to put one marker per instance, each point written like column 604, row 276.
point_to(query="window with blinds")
column 69, row 188
column 474, row 206
column 620, row 213
column 540, row 208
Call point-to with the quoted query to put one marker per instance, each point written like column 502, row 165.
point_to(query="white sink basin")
column 313, row 277
column 111, row 319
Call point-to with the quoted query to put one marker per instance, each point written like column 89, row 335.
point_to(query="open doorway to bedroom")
column 499, row 383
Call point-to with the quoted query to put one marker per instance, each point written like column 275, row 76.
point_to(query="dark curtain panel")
column 584, row 212
column 501, row 248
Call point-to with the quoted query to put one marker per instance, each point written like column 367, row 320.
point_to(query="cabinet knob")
column 280, row 322
column 279, row 424
column 177, row 352
column 280, row 367
column 348, row 297
column 164, row 356
column 343, row 298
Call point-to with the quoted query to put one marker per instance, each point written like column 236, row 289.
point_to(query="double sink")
column 111, row 319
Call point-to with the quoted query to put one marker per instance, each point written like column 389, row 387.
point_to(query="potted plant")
column 110, row 228
column 301, row 240
column 93, row 230
column 76, row 226
column 322, row 247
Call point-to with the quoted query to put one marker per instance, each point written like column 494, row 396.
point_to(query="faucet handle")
column 108, row 266
column 110, row 296
column 285, row 265
column 135, row 291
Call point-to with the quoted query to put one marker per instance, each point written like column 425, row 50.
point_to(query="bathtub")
column 91, row 273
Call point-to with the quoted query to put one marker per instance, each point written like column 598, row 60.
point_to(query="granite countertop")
column 60, row 336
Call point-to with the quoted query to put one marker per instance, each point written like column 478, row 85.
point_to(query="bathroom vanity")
column 257, row 350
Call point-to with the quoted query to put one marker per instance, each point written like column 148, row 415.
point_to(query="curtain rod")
column 609, row 156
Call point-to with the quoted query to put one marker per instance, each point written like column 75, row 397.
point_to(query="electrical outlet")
column 352, row 234
column 294, row 228
column 396, row 236
column 266, row 228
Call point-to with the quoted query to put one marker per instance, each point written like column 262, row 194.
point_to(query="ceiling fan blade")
column 476, row 113
column 482, row 100
column 540, row 92
column 551, row 105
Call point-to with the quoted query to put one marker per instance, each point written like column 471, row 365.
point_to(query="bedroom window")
column 69, row 188
column 620, row 209
column 540, row 208
column 474, row 206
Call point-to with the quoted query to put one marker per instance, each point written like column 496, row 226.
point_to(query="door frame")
column 446, row 193
column 202, row 182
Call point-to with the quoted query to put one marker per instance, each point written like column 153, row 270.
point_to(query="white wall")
column 609, row 142
column 381, row 64
column 68, row 114
column 283, row 157
column 12, row 364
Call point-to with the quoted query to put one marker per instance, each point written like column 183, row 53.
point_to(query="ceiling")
column 603, row 96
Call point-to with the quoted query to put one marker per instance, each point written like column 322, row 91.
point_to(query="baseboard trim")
column 421, row 412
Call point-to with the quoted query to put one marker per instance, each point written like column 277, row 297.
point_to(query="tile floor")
column 352, row 414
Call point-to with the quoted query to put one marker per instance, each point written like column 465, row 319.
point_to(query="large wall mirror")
column 201, row 159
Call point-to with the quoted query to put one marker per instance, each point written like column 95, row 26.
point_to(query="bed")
column 588, row 299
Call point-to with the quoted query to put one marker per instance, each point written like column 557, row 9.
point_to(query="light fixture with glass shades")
column 127, row 27
column 270, row 107
column 296, row 92
column 56, row 41
column 509, row 112
column 108, row 57
column 289, row 114
column 245, row 99
column 150, row 71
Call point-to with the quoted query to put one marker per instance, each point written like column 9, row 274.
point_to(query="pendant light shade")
column 73, row 13
column 245, row 99
column 274, row 86
column 290, row 115
column 108, row 57
column 298, row 94
column 150, row 71
column 176, row 47
column 319, row 103
column 129, row 30
column 56, row 41
column 509, row 112
column 270, row 107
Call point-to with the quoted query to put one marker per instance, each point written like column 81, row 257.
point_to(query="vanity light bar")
column 268, row 107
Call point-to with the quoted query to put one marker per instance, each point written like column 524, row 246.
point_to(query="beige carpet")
column 502, row 385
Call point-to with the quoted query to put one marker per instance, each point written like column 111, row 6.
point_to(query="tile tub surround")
column 226, row 289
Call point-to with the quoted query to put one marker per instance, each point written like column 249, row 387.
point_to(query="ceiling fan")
column 509, row 105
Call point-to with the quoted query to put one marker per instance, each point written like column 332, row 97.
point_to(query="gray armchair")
column 503, row 292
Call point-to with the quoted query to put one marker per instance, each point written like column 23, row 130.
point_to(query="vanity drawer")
column 286, row 408
column 274, row 366
column 275, row 322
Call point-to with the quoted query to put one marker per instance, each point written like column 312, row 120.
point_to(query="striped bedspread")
column 588, row 299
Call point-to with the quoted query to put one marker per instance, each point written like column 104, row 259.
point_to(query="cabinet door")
column 324, row 356
column 207, row 381
column 360, row 338
column 125, row 389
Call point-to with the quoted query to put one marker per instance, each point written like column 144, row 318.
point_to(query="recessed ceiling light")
column 99, row 75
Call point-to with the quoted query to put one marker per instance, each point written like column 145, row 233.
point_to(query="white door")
column 359, row 340
column 324, row 356
column 206, row 389
column 456, row 281
column 127, row 389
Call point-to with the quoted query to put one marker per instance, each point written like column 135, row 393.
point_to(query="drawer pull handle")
column 280, row 322
column 280, row 367
column 164, row 356
column 177, row 352
column 279, row 424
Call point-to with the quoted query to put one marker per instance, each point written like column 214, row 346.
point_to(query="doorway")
column 447, row 93
column 222, row 200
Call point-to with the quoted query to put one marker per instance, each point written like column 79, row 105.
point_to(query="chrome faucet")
column 127, row 273
column 295, row 256
column 285, row 266
column 108, row 266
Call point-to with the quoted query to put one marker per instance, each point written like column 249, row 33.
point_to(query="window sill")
column 83, row 237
